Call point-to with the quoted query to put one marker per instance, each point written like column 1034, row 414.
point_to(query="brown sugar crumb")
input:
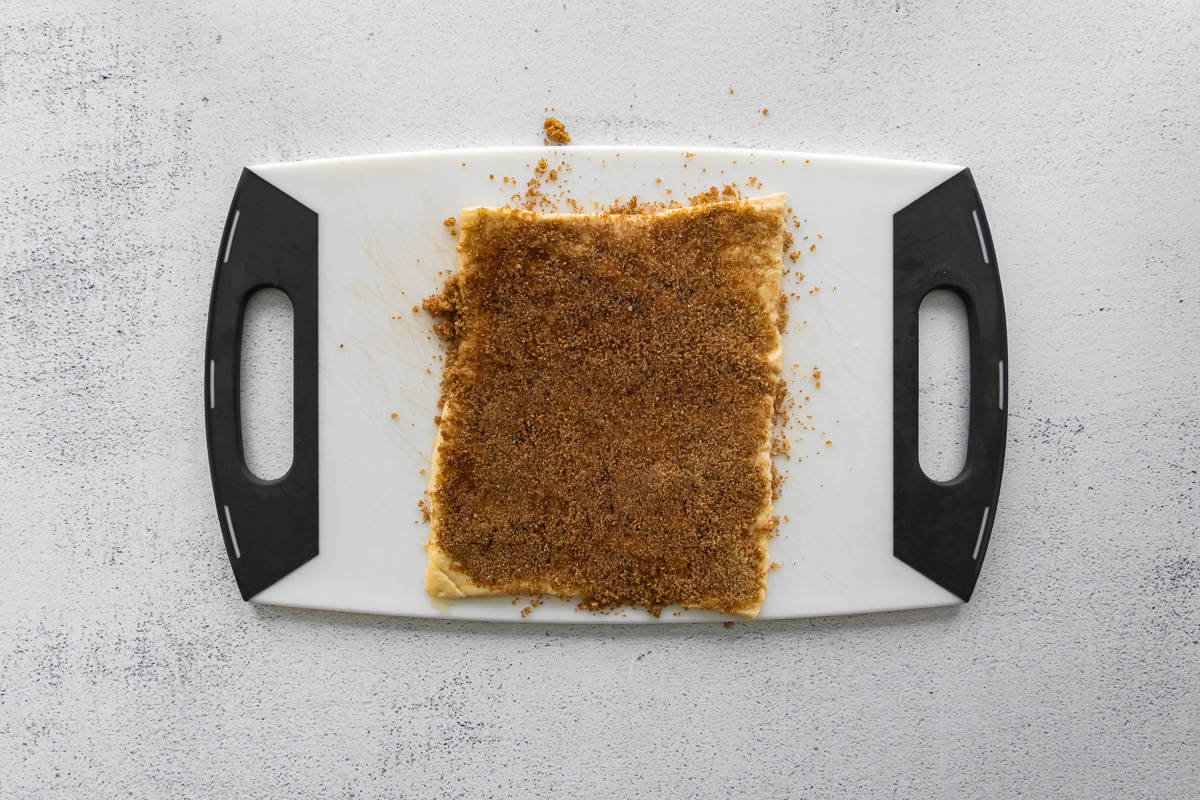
column 764, row 111
column 794, row 255
column 555, row 131
column 449, row 222
column 444, row 305
column 553, row 175
column 782, row 402
column 710, row 195
column 394, row 415
column 728, row 624
column 608, row 395
column 446, row 302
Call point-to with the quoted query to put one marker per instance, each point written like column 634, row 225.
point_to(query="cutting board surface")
column 382, row 247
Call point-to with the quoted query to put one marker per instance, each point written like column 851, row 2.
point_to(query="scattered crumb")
column 555, row 131
column 394, row 415
column 729, row 624
column 764, row 110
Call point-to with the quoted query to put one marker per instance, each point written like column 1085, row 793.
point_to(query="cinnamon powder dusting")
column 608, row 395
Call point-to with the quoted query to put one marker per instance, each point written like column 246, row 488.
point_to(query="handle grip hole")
column 268, row 402
column 943, row 385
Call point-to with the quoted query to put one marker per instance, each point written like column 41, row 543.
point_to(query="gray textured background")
column 129, row 668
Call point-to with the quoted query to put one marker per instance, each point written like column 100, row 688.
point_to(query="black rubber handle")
column 942, row 241
column 270, row 527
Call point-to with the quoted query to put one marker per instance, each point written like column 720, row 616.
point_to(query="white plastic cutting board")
column 381, row 247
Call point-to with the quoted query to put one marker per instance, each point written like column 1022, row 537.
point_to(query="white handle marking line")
column 237, row 552
column 974, row 214
column 238, row 213
column 1001, row 385
column 974, row 556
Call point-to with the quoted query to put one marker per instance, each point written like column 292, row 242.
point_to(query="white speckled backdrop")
column 128, row 667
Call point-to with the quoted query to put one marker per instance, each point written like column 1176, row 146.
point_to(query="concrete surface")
column 129, row 668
